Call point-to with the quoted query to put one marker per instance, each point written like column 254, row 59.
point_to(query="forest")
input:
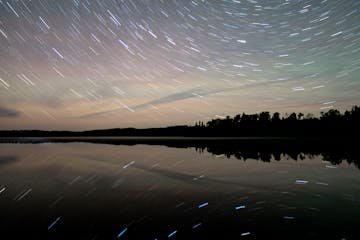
column 332, row 123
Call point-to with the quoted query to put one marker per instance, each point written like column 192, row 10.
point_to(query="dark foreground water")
column 81, row 190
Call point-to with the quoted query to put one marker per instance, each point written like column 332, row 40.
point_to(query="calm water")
column 102, row 191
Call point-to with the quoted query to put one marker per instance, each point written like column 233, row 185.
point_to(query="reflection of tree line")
column 270, row 150
column 265, row 149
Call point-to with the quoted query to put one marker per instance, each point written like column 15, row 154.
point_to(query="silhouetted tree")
column 276, row 117
column 300, row 115
column 264, row 117
column 331, row 115
column 292, row 117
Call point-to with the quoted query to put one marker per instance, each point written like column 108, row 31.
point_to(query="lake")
column 122, row 190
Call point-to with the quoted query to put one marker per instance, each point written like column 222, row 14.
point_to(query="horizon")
column 77, row 66
column 304, row 116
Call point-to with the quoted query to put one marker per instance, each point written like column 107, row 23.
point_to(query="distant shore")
column 331, row 124
column 178, row 139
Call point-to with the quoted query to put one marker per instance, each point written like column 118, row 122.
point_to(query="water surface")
column 103, row 191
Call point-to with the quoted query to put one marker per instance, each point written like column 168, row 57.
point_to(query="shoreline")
column 154, row 139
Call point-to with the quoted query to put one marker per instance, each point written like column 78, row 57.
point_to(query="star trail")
column 139, row 63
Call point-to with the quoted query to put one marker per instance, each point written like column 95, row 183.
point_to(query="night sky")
column 138, row 63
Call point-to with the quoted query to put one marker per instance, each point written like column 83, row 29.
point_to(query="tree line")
column 330, row 123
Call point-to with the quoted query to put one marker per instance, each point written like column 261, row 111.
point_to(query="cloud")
column 187, row 94
column 167, row 99
column 196, row 92
column 170, row 98
column 6, row 112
